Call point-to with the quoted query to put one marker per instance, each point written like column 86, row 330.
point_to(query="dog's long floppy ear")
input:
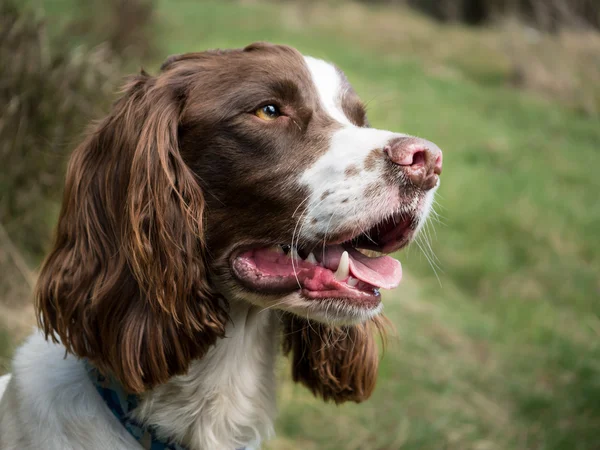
column 337, row 363
column 126, row 282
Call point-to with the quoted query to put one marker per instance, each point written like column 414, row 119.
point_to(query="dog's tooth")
column 277, row 249
column 311, row 259
column 343, row 269
column 352, row 281
column 294, row 253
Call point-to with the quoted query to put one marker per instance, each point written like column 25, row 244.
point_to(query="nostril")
column 418, row 158
column 438, row 164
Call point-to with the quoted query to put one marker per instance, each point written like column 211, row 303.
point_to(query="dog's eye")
column 268, row 112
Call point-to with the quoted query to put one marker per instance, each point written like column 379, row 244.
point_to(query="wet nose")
column 420, row 159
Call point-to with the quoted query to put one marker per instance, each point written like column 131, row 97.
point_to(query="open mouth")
column 334, row 270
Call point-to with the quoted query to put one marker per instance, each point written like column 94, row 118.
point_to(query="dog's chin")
column 329, row 311
column 335, row 311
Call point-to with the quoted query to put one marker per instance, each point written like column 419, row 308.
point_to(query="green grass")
column 503, row 351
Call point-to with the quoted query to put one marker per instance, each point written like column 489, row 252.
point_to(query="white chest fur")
column 227, row 399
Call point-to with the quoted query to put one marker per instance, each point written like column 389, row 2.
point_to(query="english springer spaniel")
column 236, row 204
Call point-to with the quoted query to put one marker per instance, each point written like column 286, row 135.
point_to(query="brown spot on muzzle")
column 373, row 159
column 372, row 190
column 351, row 171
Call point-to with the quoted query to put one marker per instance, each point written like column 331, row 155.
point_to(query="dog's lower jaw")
column 227, row 399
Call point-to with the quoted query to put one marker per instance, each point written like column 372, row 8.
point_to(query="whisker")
column 428, row 242
column 306, row 215
column 300, row 222
column 430, row 227
column 299, row 205
column 325, row 235
column 431, row 263
column 292, row 250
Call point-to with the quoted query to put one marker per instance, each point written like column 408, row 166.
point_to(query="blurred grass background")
column 498, row 329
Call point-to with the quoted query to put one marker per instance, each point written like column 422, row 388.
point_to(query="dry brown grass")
column 565, row 65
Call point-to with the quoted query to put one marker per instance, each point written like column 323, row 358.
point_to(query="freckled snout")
column 420, row 159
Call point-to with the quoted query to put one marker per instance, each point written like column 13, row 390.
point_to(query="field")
column 497, row 342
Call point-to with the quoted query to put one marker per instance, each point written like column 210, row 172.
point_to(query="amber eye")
column 268, row 112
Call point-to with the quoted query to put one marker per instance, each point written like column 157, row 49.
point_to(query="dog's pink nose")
column 420, row 159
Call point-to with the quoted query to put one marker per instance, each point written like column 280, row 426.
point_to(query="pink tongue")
column 383, row 271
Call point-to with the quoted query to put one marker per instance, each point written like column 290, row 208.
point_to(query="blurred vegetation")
column 51, row 86
column 126, row 26
column 498, row 342
column 49, row 96
column 547, row 15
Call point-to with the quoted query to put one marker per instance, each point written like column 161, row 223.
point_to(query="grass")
column 500, row 349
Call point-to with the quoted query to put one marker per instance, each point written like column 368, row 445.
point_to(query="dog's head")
column 234, row 176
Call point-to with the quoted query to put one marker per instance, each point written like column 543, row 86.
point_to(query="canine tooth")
column 352, row 281
column 343, row 269
column 277, row 249
column 311, row 258
column 294, row 253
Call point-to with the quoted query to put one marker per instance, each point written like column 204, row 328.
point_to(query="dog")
column 235, row 205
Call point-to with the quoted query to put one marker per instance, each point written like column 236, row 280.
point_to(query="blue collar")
column 122, row 404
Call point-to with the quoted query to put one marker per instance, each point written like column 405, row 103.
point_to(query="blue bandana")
column 121, row 404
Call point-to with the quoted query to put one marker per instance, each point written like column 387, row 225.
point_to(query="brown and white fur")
column 160, row 199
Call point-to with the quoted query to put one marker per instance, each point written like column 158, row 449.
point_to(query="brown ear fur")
column 126, row 282
column 336, row 363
